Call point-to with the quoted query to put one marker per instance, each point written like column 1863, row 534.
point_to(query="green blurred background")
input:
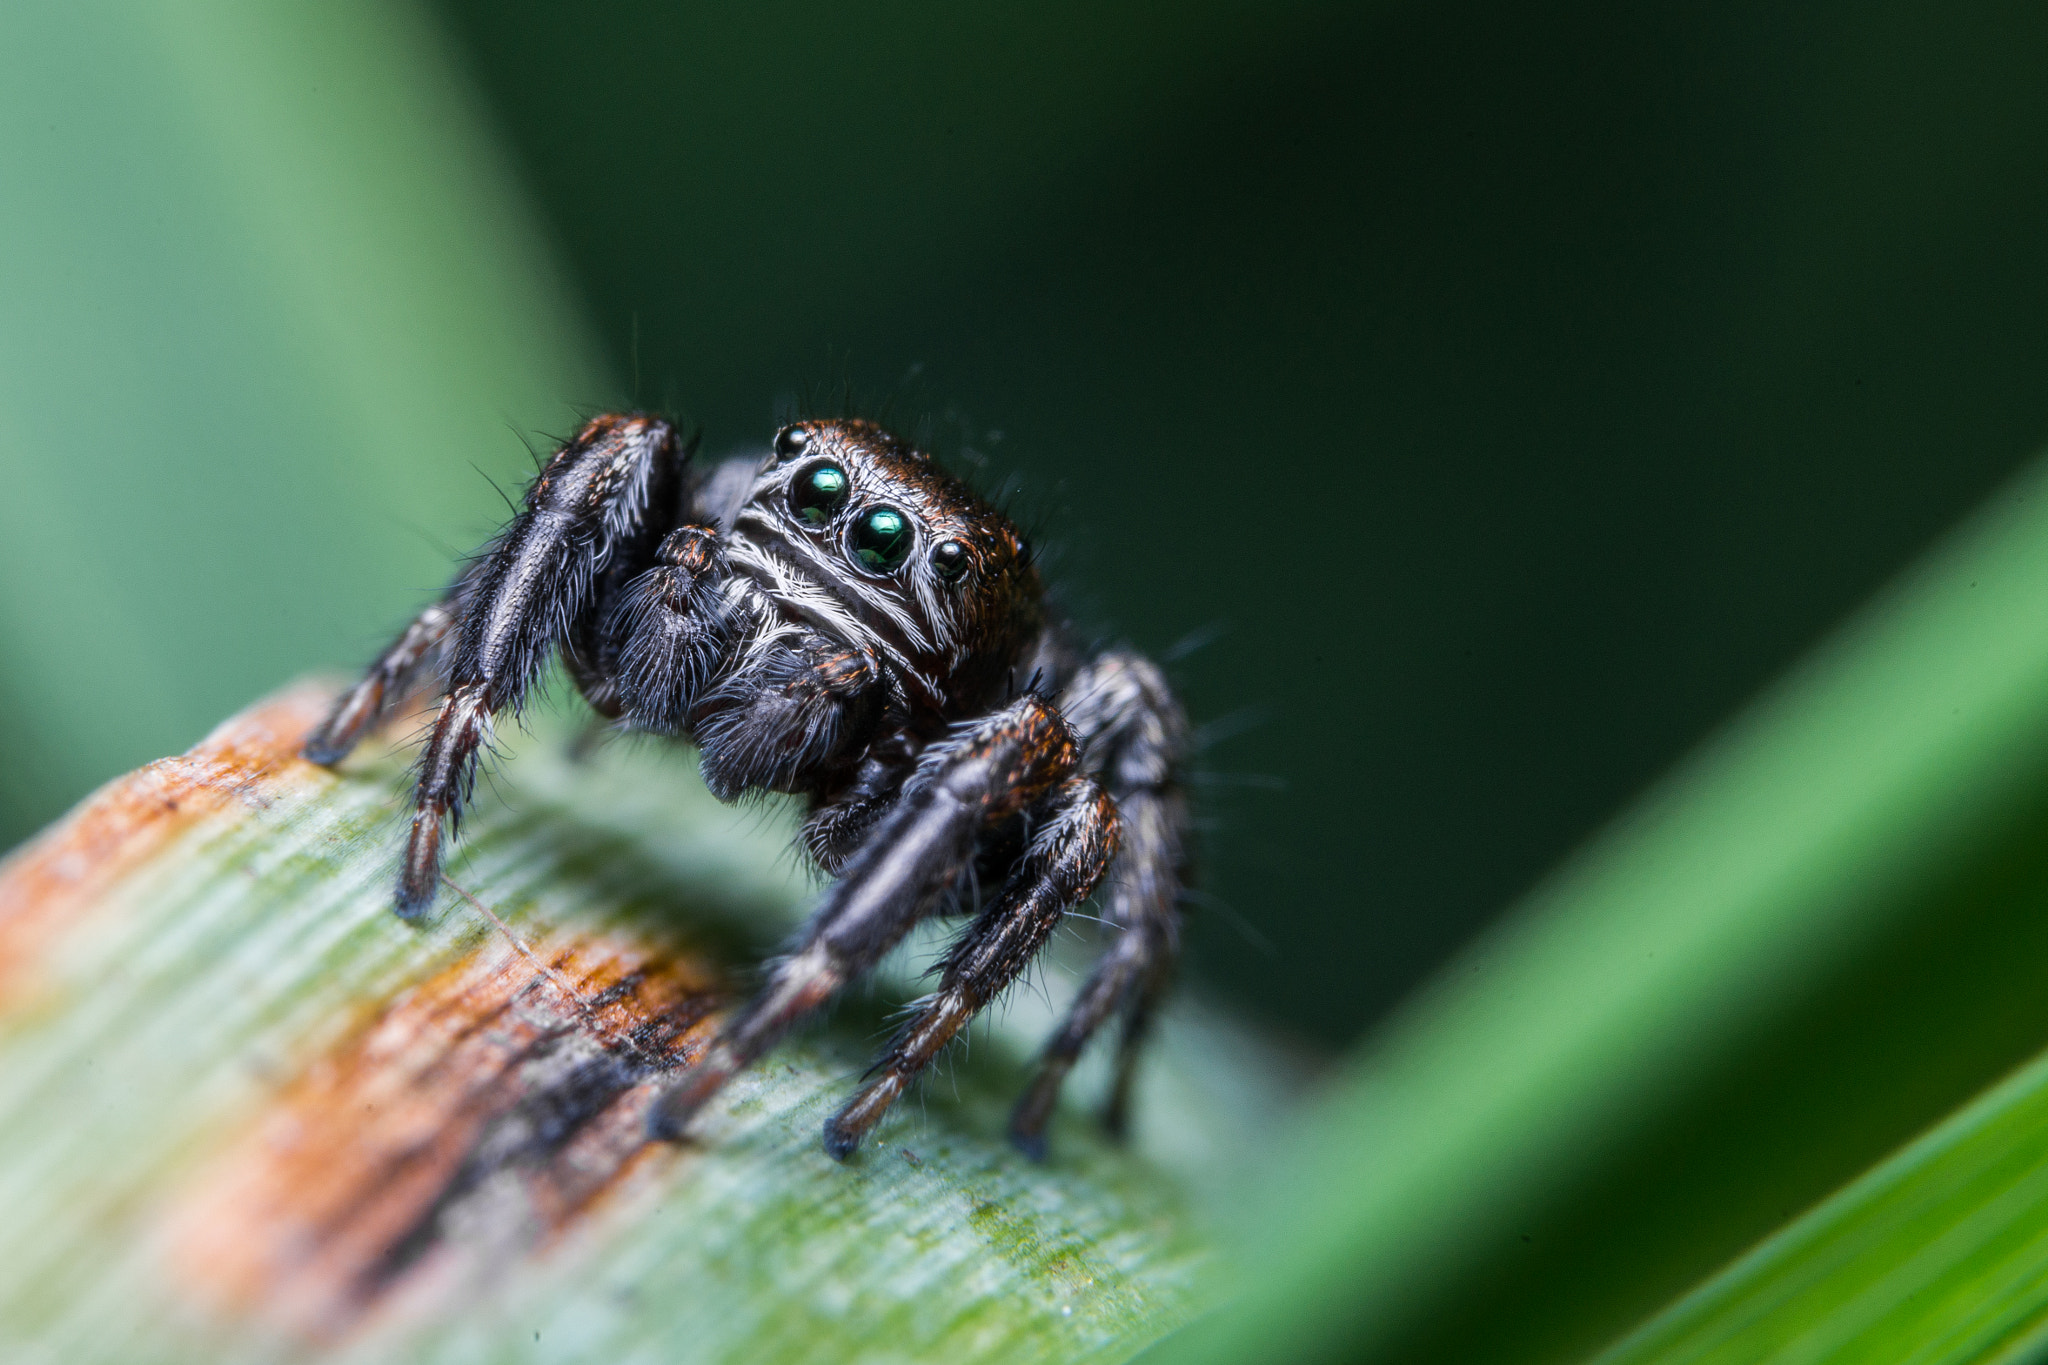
column 1522, row 387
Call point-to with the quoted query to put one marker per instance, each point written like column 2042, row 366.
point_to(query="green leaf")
column 272, row 316
column 245, row 1113
column 1939, row 1256
column 1816, row 937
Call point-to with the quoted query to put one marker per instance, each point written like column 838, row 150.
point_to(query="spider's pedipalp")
column 671, row 632
column 796, row 705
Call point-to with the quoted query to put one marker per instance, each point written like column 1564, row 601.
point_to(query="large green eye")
column 816, row 493
column 881, row 539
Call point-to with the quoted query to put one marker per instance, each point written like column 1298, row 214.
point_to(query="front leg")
column 977, row 777
column 598, row 506
column 389, row 680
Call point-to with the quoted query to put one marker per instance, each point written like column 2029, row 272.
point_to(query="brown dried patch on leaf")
column 58, row 875
column 480, row 1114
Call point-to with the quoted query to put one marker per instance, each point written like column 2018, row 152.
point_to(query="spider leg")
column 1139, row 1009
column 1135, row 735
column 978, row 776
column 1147, row 902
column 592, row 515
column 1068, row 853
column 835, row 828
column 389, row 680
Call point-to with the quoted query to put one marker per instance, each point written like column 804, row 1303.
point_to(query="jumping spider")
column 844, row 621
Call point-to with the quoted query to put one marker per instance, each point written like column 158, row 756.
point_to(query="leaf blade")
column 1732, row 943
column 242, row 1107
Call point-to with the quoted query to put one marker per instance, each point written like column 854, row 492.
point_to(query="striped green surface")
column 1818, row 936
column 164, row 1021
column 1939, row 1257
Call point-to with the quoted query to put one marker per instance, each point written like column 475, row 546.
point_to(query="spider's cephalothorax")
column 844, row 621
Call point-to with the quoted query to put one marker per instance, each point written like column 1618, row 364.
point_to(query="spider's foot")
column 668, row 1120
column 337, row 735
column 322, row 751
column 1116, row 1116
column 1031, row 1145
column 845, row 1130
column 840, row 1144
column 420, row 878
column 1033, row 1113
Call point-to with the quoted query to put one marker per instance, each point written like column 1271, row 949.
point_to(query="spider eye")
column 816, row 493
column 793, row 441
column 949, row 560
column 881, row 539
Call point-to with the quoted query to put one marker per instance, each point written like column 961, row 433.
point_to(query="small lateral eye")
column 949, row 560
column 815, row 494
column 792, row 441
column 881, row 540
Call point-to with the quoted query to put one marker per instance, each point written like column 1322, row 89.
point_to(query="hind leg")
column 1135, row 737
